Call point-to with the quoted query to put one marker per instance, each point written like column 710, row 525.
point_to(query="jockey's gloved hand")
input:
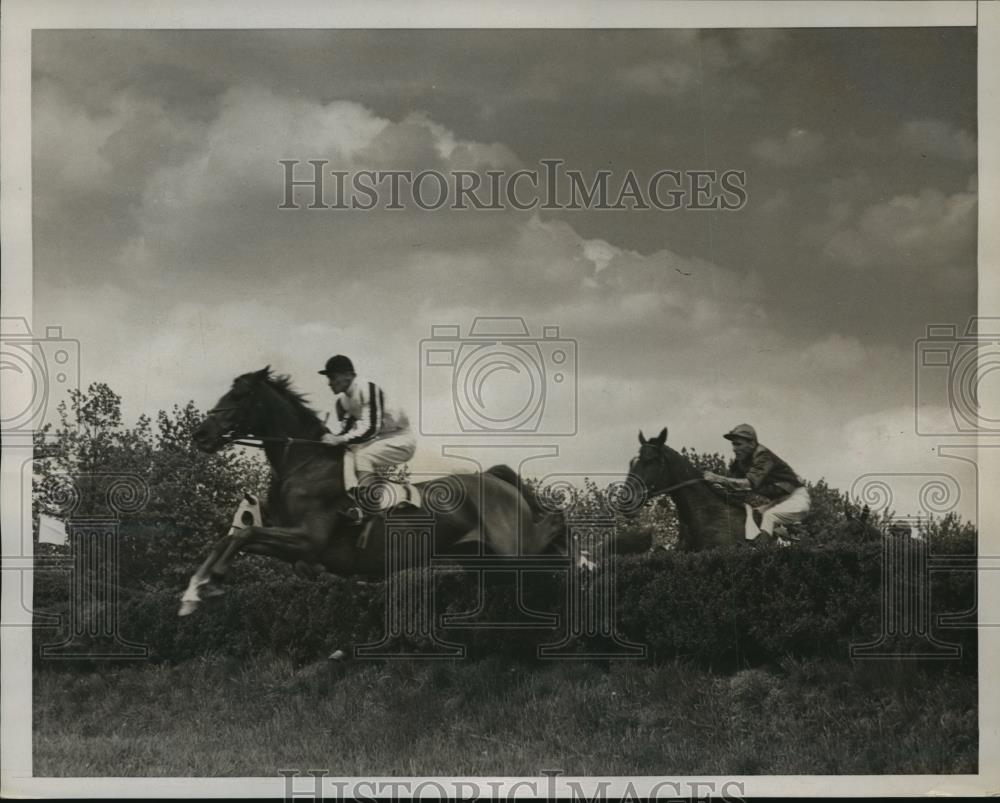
column 333, row 440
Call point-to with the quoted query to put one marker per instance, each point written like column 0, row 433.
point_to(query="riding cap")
column 338, row 364
column 742, row 431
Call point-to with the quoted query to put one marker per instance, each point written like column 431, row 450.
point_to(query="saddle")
column 752, row 498
column 757, row 503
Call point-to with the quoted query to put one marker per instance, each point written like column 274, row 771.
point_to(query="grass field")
column 221, row 717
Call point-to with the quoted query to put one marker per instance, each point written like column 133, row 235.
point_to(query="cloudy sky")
column 158, row 241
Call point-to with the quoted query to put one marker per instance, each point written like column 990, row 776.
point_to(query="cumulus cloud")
column 938, row 138
column 929, row 229
column 835, row 354
column 798, row 147
column 167, row 192
column 600, row 252
column 90, row 168
column 883, row 447
column 704, row 62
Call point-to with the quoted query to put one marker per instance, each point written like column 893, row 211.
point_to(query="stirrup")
column 355, row 514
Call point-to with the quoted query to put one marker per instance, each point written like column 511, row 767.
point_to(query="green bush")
column 726, row 607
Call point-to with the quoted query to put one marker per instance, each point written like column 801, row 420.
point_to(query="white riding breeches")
column 366, row 458
column 375, row 454
column 789, row 510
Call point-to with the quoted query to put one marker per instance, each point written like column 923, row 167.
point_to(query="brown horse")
column 306, row 523
column 707, row 517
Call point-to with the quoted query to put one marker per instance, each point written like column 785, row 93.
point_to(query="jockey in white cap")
column 756, row 468
column 376, row 435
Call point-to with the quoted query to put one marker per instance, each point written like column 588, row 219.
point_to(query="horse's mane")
column 685, row 466
column 282, row 383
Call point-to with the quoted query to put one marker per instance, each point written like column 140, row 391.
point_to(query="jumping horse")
column 306, row 523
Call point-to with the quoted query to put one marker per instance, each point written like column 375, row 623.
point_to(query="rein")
column 674, row 487
column 677, row 485
column 258, row 442
column 661, row 458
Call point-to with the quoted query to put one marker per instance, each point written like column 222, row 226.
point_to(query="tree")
column 191, row 494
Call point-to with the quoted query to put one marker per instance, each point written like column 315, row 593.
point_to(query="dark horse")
column 707, row 517
column 306, row 500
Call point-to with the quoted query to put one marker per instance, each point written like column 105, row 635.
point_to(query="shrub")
column 726, row 607
column 732, row 606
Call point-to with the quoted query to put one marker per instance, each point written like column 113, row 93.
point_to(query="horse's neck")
column 696, row 503
column 289, row 423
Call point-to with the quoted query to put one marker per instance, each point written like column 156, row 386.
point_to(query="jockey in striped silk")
column 376, row 435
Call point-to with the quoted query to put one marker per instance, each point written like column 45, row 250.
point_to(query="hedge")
column 724, row 607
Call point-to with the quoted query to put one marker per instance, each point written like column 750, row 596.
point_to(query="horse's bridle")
column 259, row 442
column 661, row 459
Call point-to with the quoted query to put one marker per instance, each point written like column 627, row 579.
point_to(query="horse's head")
column 649, row 470
column 238, row 413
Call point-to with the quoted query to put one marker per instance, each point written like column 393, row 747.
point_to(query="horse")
column 707, row 517
column 487, row 513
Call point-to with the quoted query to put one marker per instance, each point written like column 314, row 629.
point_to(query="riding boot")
column 409, row 501
column 355, row 512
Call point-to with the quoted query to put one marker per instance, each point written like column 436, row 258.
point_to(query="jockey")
column 375, row 434
column 756, row 468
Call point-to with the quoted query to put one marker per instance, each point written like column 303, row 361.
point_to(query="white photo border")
column 20, row 17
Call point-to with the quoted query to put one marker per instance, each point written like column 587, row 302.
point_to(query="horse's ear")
column 263, row 373
column 642, row 438
column 662, row 437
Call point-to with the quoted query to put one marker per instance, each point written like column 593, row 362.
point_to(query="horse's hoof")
column 187, row 608
column 209, row 591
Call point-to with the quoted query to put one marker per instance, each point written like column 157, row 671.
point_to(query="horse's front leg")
column 202, row 577
column 299, row 546
column 291, row 544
